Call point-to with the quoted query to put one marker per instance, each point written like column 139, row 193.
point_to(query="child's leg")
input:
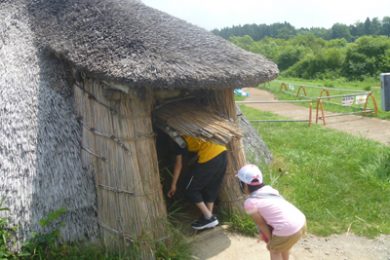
column 210, row 206
column 275, row 255
column 285, row 255
column 204, row 209
column 279, row 256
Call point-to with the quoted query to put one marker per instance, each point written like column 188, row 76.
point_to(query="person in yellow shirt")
column 206, row 178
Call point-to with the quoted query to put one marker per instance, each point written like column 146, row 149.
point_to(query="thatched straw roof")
column 189, row 118
column 126, row 41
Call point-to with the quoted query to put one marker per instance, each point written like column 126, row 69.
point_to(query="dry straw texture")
column 189, row 118
column 129, row 42
column 44, row 45
column 231, row 197
column 118, row 145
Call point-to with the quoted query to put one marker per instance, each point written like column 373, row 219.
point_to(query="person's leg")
column 194, row 187
column 193, row 192
column 210, row 206
column 204, row 209
column 285, row 255
column 275, row 255
column 208, row 220
column 210, row 192
column 197, row 189
column 200, row 193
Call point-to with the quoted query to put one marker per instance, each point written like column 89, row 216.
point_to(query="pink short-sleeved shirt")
column 284, row 217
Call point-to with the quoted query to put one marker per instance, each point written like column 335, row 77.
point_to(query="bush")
column 368, row 56
column 6, row 234
column 45, row 245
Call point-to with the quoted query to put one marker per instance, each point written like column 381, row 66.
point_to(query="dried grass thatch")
column 230, row 195
column 40, row 159
column 126, row 41
column 189, row 118
column 119, row 147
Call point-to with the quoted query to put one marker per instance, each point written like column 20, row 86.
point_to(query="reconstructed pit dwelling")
column 80, row 82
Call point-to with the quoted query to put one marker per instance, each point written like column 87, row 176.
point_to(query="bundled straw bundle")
column 189, row 118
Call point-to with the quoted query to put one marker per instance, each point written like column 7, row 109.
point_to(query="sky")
column 217, row 14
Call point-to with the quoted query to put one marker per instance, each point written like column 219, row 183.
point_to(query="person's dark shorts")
column 206, row 179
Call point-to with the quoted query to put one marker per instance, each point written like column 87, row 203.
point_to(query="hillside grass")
column 340, row 182
column 313, row 91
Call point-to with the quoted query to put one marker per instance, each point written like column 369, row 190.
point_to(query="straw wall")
column 118, row 146
column 40, row 161
column 231, row 197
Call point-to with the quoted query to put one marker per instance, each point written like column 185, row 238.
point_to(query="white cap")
column 248, row 173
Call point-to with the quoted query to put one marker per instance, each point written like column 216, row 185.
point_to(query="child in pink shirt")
column 280, row 223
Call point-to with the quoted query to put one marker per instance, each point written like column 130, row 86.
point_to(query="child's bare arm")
column 260, row 222
column 176, row 174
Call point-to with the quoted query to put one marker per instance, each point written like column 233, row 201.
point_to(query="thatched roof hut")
column 78, row 84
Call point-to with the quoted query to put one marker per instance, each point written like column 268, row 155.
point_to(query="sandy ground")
column 220, row 244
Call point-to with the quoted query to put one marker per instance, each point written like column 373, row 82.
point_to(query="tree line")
column 285, row 30
column 311, row 57
column 354, row 52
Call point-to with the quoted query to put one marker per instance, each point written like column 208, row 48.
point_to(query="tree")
column 368, row 56
column 282, row 30
column 316, row 31
column 326, row 63
column 357, row 29
column 386, row 26
column 367, row 26
column 337, row 43
column 376, row 26
column 245, row 42
column 289, row 56
column 309, row 40
column 339, row 30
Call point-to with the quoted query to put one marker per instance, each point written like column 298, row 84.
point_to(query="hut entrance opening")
column 192, row 118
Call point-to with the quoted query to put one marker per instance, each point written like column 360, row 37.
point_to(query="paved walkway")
column 370, row 128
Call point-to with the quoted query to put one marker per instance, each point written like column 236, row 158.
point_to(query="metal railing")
column 309, row 120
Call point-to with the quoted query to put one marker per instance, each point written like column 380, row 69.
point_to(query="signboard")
column 361, row 99
column 347, row 100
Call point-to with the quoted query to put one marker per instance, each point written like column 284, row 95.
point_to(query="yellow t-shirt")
column 206, row 150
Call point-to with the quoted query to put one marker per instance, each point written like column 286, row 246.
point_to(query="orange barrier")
column 320, row 112
column 320, row 106
column 373, row 101
column 324, row 90
column 304, row 91
column 283, row 86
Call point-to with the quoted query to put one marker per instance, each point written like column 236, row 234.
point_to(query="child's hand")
column 172, row 191
column 259, row 239
column 262, row 237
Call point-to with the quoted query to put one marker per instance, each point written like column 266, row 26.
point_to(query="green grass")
column 239, row 98
column 46, row 246
column 351, row 87
column 239, row 224
column 340, row 182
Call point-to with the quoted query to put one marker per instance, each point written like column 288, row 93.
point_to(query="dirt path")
column 219, row 244
column 370, row 128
